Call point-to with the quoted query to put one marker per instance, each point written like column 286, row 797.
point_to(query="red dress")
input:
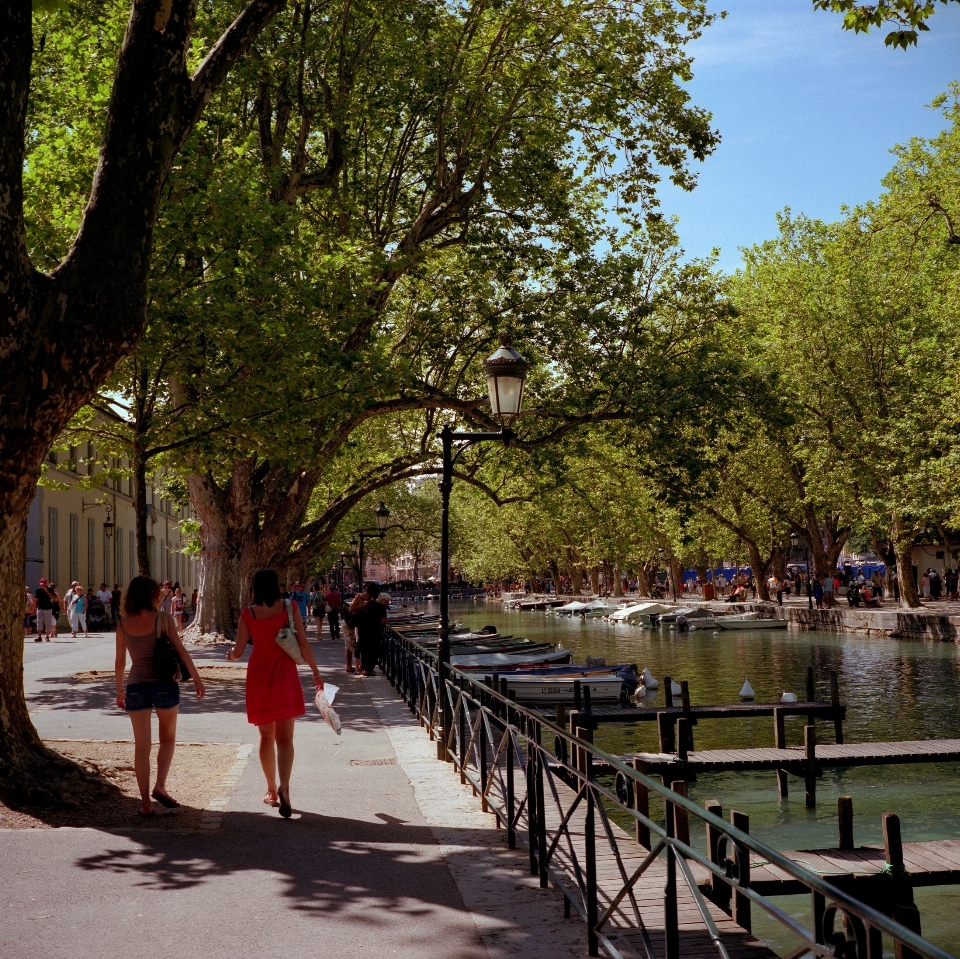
column 273, row 683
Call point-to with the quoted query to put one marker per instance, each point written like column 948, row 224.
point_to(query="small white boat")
column 639, row 612
column 605, row 688
column 598, row 608
column 570, row 608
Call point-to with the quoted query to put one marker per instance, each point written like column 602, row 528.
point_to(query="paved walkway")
column 387, row 854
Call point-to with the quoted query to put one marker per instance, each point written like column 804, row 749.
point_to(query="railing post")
column 462, row 733
column 741, row 904
column 671, row 926
column 511, row 789
column 481, row 741
column 532, row 829
column 845, row 822
column 443, row 662
column 590, row 855
column 641, row 802
column 541, row 817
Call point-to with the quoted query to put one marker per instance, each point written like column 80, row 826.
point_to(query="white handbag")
column 287, row 637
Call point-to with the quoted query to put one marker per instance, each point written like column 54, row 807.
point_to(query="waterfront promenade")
column 386, row 856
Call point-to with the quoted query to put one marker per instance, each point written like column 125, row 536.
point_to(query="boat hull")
column 558, row 689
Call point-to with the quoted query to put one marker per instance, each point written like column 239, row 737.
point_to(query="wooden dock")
column 935, row 863
column 751, row 710
column 795, row 759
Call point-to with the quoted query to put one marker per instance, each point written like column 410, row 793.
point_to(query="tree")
column 910, row 16
column 66, row 329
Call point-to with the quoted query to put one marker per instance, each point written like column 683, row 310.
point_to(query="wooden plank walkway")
column 934, row 863
column 793, row 758
column 649, row 714
column 695, row 941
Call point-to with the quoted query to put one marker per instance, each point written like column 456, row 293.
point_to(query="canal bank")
column 939, row 621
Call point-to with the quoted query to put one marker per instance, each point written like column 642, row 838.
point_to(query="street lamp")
column 382, row 515
column 506, row 373
column 794, row 544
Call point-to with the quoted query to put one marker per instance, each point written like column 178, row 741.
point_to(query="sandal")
column 145, row 815
column 271, row 799
column 165, row 801
column 286, row 810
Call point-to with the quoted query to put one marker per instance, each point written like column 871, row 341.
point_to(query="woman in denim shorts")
column 144, row 691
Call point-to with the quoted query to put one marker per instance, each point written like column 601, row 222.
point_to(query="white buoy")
column 716, row 633
column 788, row 698
column 746, row 691
column 675, row 689
column 649, row 681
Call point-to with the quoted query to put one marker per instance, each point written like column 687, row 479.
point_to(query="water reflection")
column 893, row 690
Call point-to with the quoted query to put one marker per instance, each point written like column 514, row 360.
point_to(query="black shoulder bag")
column 168, row 667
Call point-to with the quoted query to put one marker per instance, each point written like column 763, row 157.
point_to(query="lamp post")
column 794, row 543
column 506, row 372
column 383, row 515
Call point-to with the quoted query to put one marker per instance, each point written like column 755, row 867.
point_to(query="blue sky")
column 808, row 113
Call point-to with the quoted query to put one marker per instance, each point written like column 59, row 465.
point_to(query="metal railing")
column 553, row 800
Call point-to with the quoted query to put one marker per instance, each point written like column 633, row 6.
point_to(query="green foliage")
column 910, row 17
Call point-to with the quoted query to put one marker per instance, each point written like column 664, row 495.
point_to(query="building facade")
column 67, row 540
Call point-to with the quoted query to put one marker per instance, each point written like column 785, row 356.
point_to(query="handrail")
column 466, row 692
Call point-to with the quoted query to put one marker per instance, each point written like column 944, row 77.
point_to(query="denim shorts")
column 152, row 696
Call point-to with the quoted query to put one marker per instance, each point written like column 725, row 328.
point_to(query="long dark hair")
column 266, row 587
column 142, row 593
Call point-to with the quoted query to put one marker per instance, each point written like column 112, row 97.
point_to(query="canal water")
column 893, row 690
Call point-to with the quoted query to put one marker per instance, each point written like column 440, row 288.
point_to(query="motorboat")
column 598, row 607
column 755, row 622
column 604, row 688
column 570, row 608
column 639, row 612
column 506, row 662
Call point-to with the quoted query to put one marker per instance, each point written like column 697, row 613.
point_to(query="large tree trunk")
column 760, row 568
column 644, row 580
column 903, row 550
column 617, row 581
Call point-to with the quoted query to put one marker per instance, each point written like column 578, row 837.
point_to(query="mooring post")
column 668, row 692
column 561, row 716
column 681, row 819
column 835, row 702
column 780, row 741
column 845, row 822
column 577, row 701
column 904, row 909
column 683, row 737
column 811, row 695
column 666, row 732
column 719, row 891
column 641, row 802
column 741, row 904
column 810, row 749
column 575, row 758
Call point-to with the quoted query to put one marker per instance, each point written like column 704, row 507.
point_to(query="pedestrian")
column 115, row 597
column 333, row 602
column 925, row 585
column 105, row 597
column 77, row 611
column 274, row 694
column 44, row 610
column 194, row 599
column 721, row 585
column 895, row 586
column 818, row 592
column 176, row 607
column 349, row 641
column 57, row 607
column 302, row 598
column 166, row 597
column 139, row 630
column 318, row 610
column 29, row 612
column 936, row 584
column 368, row 618
column 828, row 585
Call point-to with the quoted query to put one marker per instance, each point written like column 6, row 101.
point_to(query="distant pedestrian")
column 57, row 606
column 936, row 584
column 166, row 597
column 318, row 609
column 44, row 611
column 302, row 598
column 176, row 607
column 77, row 611
column 105, row 597
column 138, row 632
column 274, row 694
column 925, row 585
column 333, row 603
column 29, row 612
column 115, row 597
column 368, row 618
column 828, row 585
column 818, row 592
column 895, row 586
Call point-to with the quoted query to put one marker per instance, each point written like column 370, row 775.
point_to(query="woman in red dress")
column 274, row 693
